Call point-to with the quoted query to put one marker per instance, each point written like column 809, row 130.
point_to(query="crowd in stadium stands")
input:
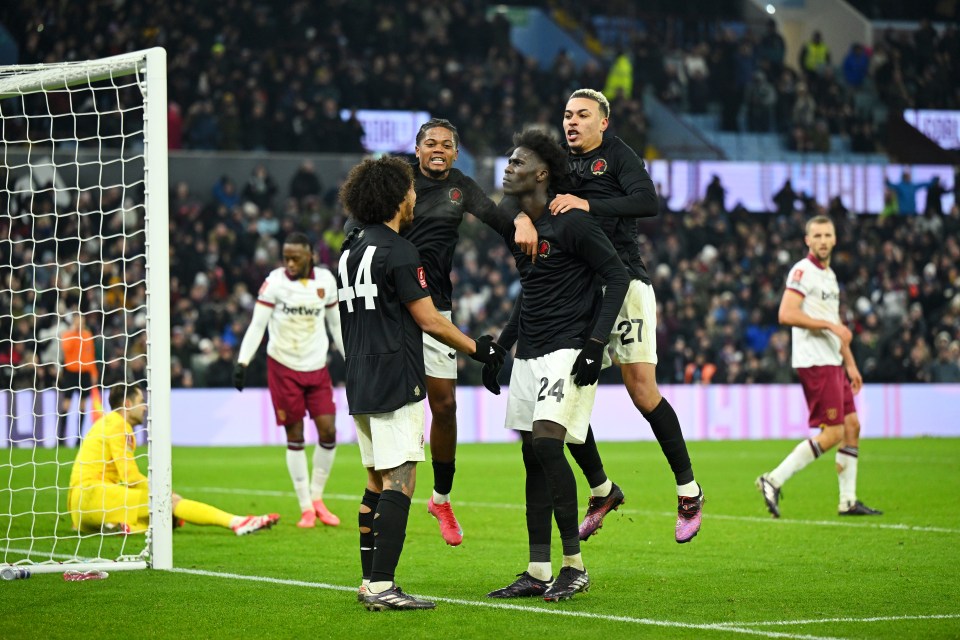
column 275, row 76
column 718, row 274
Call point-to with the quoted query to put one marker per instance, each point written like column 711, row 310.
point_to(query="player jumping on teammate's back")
column 563, row 319
column 299, row 303
column 608, row 179
column 386, row 308
column 827, row 371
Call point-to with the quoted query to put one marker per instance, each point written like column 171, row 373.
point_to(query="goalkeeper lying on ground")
column 107, row 490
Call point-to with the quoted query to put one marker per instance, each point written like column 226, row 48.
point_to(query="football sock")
column 443, row 480
column 666, row 428
column 690, row 490
column 297, row 466
column 563, row 489
column 802, row 455
column 199, row 513
column 539, row 506
column 540, row 571
column 389, row 530
column 588, row 459
column 603, row 490
column 365, row 522
column 847, row 475
column 323, row 457
column 379, row 587
column 575, row 561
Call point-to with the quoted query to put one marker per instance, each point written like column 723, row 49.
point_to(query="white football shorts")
column 387, row 440
column 634, row 334
column 543, row 389
column 439, row 360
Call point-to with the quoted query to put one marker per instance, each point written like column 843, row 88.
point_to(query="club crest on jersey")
column 599, row 167
column 422, row 277
column 797, row 275
column 131, row 442
column 831, row 413
column 416, row 391
column 543, row 249
column 321, row 293
column 456, row 196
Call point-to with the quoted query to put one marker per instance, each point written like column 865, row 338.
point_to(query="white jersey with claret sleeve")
column 298, row 334
column 821, row 300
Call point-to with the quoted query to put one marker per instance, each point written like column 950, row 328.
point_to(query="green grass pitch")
column 810, row 574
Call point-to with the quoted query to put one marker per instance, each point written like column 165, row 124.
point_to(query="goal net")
column 84, row 306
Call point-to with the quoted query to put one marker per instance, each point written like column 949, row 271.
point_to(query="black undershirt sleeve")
column 593, row 245
column 508, row 337
column 640, row 200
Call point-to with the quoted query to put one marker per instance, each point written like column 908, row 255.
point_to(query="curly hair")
column 441, row 123
column 542, row 144
column 374, row 189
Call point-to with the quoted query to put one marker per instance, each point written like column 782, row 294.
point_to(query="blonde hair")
column 596, row 96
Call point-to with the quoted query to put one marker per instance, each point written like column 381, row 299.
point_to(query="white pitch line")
column 772, row 623
column 626, row 511
column 513, row 607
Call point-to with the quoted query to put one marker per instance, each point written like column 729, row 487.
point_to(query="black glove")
column 239, row 376
column 489, row 375
column 489, row 352
column 586, row 368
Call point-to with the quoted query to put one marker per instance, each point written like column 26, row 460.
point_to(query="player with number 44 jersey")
column 385, row 306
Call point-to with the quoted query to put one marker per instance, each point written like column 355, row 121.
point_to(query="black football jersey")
column 379, row 272
column 563, row 302
column 436, row 225
column 614, row 179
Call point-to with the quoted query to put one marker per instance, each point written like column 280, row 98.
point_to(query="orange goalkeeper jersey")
column 106, row 455
column 78, row 350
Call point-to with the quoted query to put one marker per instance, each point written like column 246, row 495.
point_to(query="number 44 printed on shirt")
column 364, row 286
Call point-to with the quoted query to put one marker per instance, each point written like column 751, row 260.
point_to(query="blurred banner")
column 754, row 184
column 943, row 127
column 223, row 417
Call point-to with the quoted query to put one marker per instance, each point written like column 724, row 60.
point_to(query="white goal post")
column 84, row 303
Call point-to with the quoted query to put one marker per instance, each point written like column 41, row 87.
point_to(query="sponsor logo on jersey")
column 456, row 196
column 829, row 295
column 797, row 275
column 543, row 249
column 422, row 277
column 599, row 167
column 300, row 310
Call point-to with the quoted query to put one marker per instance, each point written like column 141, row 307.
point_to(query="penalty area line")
column 721, row 627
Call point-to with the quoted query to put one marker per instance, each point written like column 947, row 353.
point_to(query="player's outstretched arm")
column 484, row 349
column 251, row 342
